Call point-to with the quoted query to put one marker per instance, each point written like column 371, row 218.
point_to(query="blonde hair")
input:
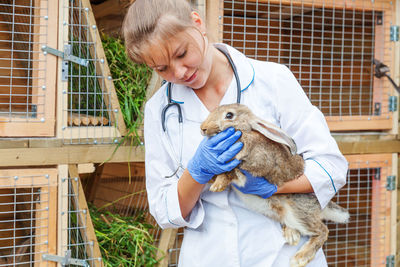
column 154, row 20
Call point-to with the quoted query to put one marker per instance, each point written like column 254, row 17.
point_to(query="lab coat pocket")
column 191, row 253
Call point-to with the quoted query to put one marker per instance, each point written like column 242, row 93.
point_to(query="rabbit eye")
column 229, row 115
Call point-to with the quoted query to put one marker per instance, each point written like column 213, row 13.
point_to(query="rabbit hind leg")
column 291, row 235
column 309, row 249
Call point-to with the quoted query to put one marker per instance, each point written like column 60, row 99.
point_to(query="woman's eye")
column 229, row 115
column 161, row 69
column 182, row 55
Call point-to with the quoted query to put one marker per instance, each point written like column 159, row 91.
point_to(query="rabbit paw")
column 291, row 235
column 220, row 183
column 298, row 261
column 217, row 187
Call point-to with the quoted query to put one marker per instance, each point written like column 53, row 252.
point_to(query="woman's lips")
column 191, row 78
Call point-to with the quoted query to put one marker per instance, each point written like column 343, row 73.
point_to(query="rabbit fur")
column 270, row 153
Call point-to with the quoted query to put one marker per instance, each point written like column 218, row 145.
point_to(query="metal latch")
column 390, row 261
column 64, row 261
column 394, row 33
column 391, row 183
column 66, row 55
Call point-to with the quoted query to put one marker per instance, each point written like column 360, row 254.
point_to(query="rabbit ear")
column 274, row 133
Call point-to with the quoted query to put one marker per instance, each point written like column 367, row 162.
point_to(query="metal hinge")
column 64, row 261
column 377, row 174
column 392, row 103
column 377, row 109
column 66, row 56
column 34, row 111
column 390, row 260
column 391, row 183
column 394, row 33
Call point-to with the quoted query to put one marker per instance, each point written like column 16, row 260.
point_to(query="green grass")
column 130, row 81
column 124, row 241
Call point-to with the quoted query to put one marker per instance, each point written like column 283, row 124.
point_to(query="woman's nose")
column 179, row 71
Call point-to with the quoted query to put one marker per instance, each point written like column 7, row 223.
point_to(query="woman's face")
column 185, row 59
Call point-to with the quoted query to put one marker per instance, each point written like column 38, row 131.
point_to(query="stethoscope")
column 172, row 103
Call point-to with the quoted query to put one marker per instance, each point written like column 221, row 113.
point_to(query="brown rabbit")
column 270, row 153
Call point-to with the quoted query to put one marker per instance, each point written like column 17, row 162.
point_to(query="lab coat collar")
column 192, row 108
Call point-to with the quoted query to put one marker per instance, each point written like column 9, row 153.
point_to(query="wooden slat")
column 98, row 154
column 85, row 221
column 347, row 123
column 356, row 4
column 102, row 69
column 62, row 101
column 23, row 178
column 69, row 155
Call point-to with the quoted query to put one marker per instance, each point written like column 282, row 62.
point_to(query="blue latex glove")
column 213, row 155
column 257, row 186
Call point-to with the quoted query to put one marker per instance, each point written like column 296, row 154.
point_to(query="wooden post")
column 167, row 240
column 87, row 232
column 393, row 207
column 62, row 214
column 214, row 15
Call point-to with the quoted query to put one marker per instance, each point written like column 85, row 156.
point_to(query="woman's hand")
column 213, row 155
column 257, row 186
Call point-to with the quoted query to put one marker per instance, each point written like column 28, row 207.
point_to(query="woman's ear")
column 198, row 21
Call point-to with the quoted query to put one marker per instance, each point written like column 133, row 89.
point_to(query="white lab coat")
column 221, row 231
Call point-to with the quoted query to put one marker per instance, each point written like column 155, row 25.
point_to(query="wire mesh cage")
column 27, row 76
column 28, row 200
column 329, row 46
column 76, row 237
column 89, row 110
column 122, row 190
column 367, row 239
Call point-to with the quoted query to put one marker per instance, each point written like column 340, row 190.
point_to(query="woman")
column 219, row 230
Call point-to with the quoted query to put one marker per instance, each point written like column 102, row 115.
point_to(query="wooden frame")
column 102, row 69
column 43, row 66
column 377, row 202
column 44, row 179
column 383, row 47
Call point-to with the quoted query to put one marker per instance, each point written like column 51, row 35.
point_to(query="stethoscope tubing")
column 171, row 103
column 169, row 92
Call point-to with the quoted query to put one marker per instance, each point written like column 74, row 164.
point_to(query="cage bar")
column 28, row 206
column 328, row 45
column 89, row 111
column 27, row 75
column 76, row 233
column 367, row 239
